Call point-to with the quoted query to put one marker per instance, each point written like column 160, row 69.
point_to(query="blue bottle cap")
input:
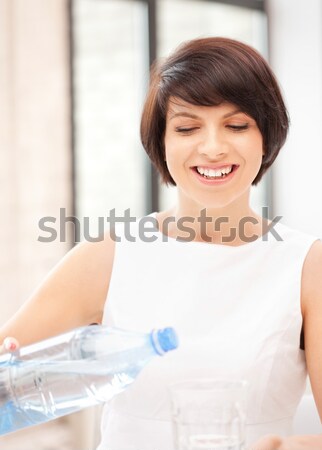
column 164, row 340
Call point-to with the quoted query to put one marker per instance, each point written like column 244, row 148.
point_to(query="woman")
column 237, row 287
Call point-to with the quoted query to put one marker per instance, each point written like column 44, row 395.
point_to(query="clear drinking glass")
column 208, row 414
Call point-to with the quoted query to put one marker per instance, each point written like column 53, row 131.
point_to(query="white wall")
column 34, row 142
column 35, row 165
column 296, row 56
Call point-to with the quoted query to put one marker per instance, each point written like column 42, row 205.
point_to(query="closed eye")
column 238, row 127
column 185, row 130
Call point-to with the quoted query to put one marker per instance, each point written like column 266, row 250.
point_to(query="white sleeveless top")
column 237, row 314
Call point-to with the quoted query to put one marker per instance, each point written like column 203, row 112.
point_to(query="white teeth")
column 214, row 173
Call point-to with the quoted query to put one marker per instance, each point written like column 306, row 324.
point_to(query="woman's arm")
column 73, row 294
column 312, row 317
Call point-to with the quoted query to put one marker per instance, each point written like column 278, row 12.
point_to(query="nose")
column 213, row 145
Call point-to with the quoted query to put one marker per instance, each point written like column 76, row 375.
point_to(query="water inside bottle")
column 61, row 388
column 68, row 373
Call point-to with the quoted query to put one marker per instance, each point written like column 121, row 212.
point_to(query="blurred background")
column 73, row 76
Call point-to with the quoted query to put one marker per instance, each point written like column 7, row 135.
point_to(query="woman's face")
column 213, row 153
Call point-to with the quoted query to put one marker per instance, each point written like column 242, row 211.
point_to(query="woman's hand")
column 307, row 442
column 9, row 344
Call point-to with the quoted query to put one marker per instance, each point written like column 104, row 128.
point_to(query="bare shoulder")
column 88, row 268
column 312, row 278
column 101, row 250
column 312, row 318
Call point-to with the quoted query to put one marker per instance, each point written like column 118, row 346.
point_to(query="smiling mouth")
column 215, row 174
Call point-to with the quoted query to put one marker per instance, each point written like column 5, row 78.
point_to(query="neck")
column 230, row 225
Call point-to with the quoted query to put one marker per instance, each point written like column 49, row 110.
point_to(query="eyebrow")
column 194, row 116
column 184, row 114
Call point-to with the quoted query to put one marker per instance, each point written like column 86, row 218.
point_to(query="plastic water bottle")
column 72, row 371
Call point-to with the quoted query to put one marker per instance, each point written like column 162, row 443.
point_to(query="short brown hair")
column 207, row 72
